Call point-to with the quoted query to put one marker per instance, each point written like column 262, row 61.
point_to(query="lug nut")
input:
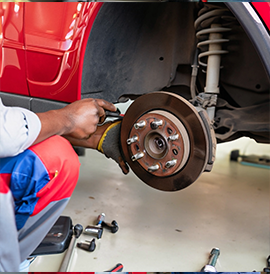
column 132, row 139
column 140, row 124
column 173, row 137
column 153, row 168
column 155, row 124
column 89, row 246
column 171, row 163
column 113, row 227
column 137, row 156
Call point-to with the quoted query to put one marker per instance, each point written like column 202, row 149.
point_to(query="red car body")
column 43, row 45
column 44, row 59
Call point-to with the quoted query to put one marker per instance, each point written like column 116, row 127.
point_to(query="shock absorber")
column 210, row 29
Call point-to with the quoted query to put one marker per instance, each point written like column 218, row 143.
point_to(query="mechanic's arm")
column 77, row 120
column 20, row 128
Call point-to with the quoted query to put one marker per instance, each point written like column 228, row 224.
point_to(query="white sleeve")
column 19, row 128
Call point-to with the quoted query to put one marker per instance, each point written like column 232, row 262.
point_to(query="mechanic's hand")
column 84, row 115
column 106, row 139
column 77, row 120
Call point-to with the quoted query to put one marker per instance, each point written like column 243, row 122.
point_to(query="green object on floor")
column 255, row 165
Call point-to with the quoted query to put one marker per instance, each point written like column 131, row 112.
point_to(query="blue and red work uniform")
column 36, row 183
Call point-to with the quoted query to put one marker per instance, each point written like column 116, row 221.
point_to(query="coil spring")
column 212, row 19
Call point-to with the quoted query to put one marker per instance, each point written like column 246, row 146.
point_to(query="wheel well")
column 136, row 48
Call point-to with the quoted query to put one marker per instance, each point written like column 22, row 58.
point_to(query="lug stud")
column 153, row 168
column 137, row 156
column 140, row 124
column 155, row 124
column 133, row 139
column 173, row 137
column 171, row 163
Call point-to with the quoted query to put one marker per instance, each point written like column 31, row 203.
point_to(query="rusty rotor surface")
column 164, row 141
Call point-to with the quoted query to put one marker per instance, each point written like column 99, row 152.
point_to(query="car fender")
column 55, row 46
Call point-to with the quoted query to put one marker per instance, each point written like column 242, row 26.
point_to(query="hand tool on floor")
column 262, row 161
column 98, row 229
column 117, row 268
column 113, row 227
column 90, row 246
column 77, row 231
column 210, row 267
column 267, row 269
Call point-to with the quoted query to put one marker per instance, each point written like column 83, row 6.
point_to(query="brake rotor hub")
column 160, row 145
column 166, row 141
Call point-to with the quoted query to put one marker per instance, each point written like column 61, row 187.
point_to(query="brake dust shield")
column 164, row 141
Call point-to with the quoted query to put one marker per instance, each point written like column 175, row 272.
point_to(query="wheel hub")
column 164, row 141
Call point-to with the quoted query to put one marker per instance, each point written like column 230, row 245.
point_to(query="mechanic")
column 39, row 169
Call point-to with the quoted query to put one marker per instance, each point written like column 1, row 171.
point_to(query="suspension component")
column 214, row 55
column 214, row 30
column 210, row 25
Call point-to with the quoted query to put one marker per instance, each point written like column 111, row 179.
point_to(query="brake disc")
column 165, row 141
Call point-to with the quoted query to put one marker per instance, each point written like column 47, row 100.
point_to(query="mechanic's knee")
column 59, row 157
column 62, row 165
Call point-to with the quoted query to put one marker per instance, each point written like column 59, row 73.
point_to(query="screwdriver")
column 118, row 268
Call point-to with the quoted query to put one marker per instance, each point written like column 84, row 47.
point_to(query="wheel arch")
column 127, row 40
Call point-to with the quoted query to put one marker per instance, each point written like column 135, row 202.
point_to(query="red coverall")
column 35, row 187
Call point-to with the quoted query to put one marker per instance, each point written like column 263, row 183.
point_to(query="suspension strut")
column 210, row 28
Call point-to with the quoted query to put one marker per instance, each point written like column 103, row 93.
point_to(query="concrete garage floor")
column 159, row 231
